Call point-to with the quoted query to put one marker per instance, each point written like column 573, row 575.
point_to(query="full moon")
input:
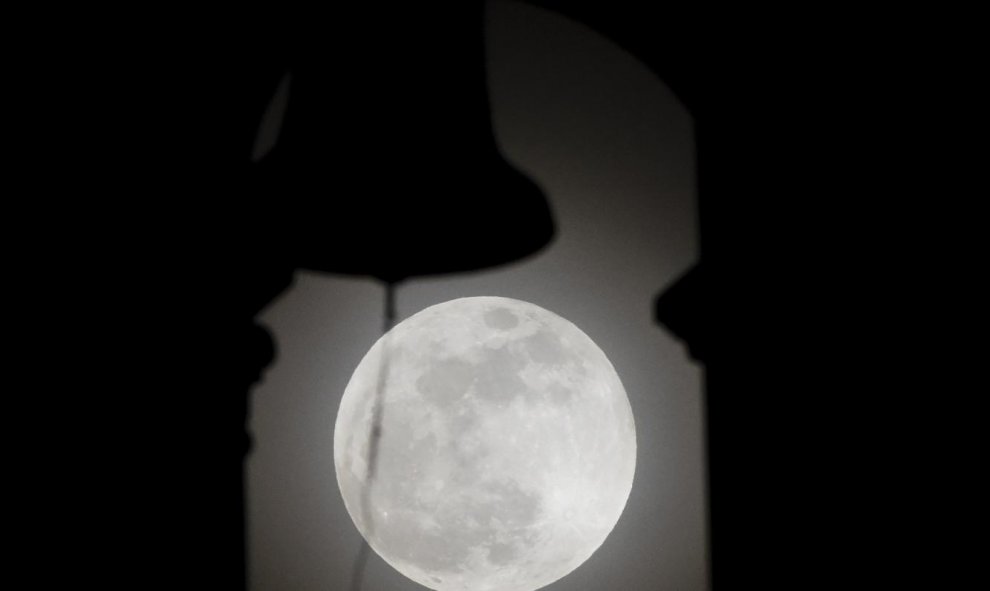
column 504, row 451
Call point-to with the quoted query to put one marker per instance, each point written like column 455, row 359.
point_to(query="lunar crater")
column 501, row 319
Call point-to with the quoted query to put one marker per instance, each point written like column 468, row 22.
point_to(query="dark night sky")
column 613, row 149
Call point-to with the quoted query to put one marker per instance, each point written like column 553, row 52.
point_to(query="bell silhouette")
column 386, row 163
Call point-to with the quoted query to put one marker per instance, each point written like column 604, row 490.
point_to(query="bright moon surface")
column 507, row 446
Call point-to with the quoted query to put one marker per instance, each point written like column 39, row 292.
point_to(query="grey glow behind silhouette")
column 613, row 149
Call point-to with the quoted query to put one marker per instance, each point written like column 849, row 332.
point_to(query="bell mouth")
column 413, row 219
